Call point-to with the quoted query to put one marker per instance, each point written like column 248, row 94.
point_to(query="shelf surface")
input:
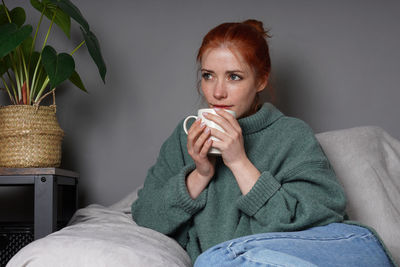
column 37, row 171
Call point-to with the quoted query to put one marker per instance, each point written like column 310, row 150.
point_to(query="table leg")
column 45, row 211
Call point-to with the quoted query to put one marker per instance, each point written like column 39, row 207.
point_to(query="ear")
column 262, row 83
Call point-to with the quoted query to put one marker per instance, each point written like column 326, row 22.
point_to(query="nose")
column 220, row 91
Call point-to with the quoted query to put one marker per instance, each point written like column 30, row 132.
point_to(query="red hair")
column 247, row 38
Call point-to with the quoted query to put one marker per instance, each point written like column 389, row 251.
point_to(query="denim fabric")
column 335, row 244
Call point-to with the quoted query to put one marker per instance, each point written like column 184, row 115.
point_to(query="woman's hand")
column 232, row 149
column 231, row 142
column 198, row 144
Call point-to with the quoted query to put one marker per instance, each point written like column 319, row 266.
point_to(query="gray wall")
column 335, row 65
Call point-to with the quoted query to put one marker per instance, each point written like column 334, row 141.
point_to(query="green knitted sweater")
column 297, row 188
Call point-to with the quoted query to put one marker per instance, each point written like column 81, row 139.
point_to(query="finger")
column 198, row 145
column 195, row 131
column 218, row 144
column 221, row 121
column 229, row 117
column 207, row 145
column 195, row 126
column 222, row 136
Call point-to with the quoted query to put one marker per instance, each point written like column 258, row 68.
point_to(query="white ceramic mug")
column 209, row 123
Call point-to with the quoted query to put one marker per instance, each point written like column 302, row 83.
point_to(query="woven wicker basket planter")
column 30, row 137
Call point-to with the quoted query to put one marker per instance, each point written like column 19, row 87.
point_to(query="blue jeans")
column 336, row 244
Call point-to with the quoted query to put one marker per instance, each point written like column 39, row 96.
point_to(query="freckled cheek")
column 207, row 91
column 238, row 92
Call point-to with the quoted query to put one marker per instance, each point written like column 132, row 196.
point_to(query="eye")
column 234, row 77
column 206, row 75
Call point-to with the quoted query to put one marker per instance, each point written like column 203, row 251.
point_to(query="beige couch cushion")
column 367, row 163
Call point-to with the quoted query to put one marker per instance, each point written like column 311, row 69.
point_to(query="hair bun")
column 258, row 25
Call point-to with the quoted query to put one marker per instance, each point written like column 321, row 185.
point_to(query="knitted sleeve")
column 302, row 193
column 164, row 203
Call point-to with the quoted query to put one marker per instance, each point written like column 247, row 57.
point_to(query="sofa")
column 365, row 159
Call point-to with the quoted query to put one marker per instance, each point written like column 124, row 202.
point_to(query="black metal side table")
column 45, row 182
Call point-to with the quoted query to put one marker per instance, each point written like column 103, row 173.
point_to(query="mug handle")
column 186, row 120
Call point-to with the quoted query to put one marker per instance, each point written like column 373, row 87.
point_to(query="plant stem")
column 33, row 88
column 6, row 10
column 26, row 77
column 48, row 31
column 46, row 94
column 45, row 83
column 17, row 82
column 34, row 38
column 40, row 57
column 12, row 61
column 12, row 84
column 7, row 89
column 77, row 48
column 36, row 33
column 34, row 82
column 21, row 74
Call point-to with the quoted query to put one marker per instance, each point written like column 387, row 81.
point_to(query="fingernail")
column 202, row 124
column 207, row 130
column 205, row 114
column 198, row 119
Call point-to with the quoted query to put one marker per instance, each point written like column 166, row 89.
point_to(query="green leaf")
column 76, row 79
column 58, row 67
column 34, row 59
column 72, row 11
column 3, row 15
column 5, row 65
column 26, row 46
column 62, row 19
column 94, row 50
column 11, row 37
column 18, row 16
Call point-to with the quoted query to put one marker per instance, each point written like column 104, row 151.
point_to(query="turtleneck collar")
column 264, row 117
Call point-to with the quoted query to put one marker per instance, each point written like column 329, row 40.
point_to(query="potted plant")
column 29, row 71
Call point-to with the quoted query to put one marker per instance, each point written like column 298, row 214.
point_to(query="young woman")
column 271, row 198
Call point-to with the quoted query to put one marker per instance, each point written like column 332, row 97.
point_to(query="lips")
column 222, row 106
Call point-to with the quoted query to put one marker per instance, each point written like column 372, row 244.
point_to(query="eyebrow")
column 229, row 71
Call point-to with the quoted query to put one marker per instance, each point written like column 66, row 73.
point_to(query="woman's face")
column 228, row 82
